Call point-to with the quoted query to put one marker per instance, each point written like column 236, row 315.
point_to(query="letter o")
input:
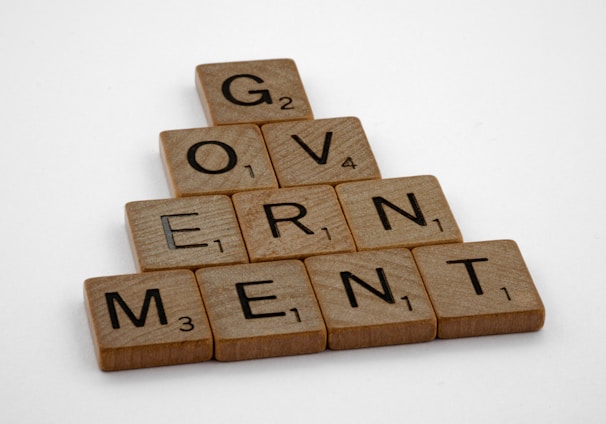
column 231, row 155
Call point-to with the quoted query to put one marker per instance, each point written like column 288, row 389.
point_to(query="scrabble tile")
column 189, row 232
column 480, row 288
column 216, row 160
column 323, row 151
column 398, row 212
column 291, row 223
column 147, row 320
column 253, row 92
column 261, row 310
column 372, row 298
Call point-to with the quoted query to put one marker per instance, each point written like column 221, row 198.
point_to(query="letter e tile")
column 147, row 320
column 254, row 92
column 372, row 298
column 480, row 288
column 261, row 310
column 189, row 232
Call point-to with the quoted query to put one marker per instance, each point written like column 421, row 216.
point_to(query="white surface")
column 504, row 102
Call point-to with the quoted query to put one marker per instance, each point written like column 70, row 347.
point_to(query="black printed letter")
column 273, row 221
column 387, row 296
column 245, row 301
column 113, row 297
column 417, row 218
column 232, row 158
column 321, row 160
column 472, row 273
column 169, row 231
column 264, row 94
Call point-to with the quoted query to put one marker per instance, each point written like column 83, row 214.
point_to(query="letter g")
column 264, row 94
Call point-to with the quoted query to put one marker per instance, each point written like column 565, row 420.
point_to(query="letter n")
column 386, row 295
column 417, row 218
column 114, row 297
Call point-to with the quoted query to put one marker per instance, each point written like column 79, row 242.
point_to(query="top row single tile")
column 254, row 92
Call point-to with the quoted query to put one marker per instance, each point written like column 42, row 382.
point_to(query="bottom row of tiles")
column 290, row 307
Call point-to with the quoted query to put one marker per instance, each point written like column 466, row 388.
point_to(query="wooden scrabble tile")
column 216, row 160
column 480, row 288
column 189, row 232
column 253, row 92
column 372, row 298
column 147, row 320
column 323, row 151
column 261, row 310
column 398, row 212
column 292, row 223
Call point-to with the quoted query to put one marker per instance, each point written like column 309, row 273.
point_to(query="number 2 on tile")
column 288, row 103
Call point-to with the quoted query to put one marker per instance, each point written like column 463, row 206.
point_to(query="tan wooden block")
column 189, row 232
column 216, row 160
column 147, row 320
column 480, row 288
column 372, row 298
column 323, row 151
column 291, row 223
column 262, row 310
column 398, row 212
column 253, row 92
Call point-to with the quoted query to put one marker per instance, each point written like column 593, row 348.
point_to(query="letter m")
column 114, row 297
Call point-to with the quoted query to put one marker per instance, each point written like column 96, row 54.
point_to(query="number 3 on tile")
column 188, row 325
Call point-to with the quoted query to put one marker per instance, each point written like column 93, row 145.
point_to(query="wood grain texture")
column 480, row 288
column 323, row 151
column 292, row 223
column 167, row 323
column 253, row 92
column 190, row 232
column 261, row 310
column 373, row 298
column 216, row 160
column 398, row 212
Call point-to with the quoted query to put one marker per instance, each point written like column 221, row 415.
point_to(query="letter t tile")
column 480, row 288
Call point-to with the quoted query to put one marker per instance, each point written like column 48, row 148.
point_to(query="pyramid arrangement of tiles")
column 283, row 239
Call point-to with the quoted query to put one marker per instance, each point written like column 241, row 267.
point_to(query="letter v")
column 321, row 160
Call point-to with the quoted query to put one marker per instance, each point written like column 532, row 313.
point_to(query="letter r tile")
column 147, row 320
column 189, row 232
column 216, row 160
column 398, row 212
column 261, row 310
column 372, row 298
column 253, row 92
column 292, row 223
column 480, row 288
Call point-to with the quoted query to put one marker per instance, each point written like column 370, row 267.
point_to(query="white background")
column 505, row 102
